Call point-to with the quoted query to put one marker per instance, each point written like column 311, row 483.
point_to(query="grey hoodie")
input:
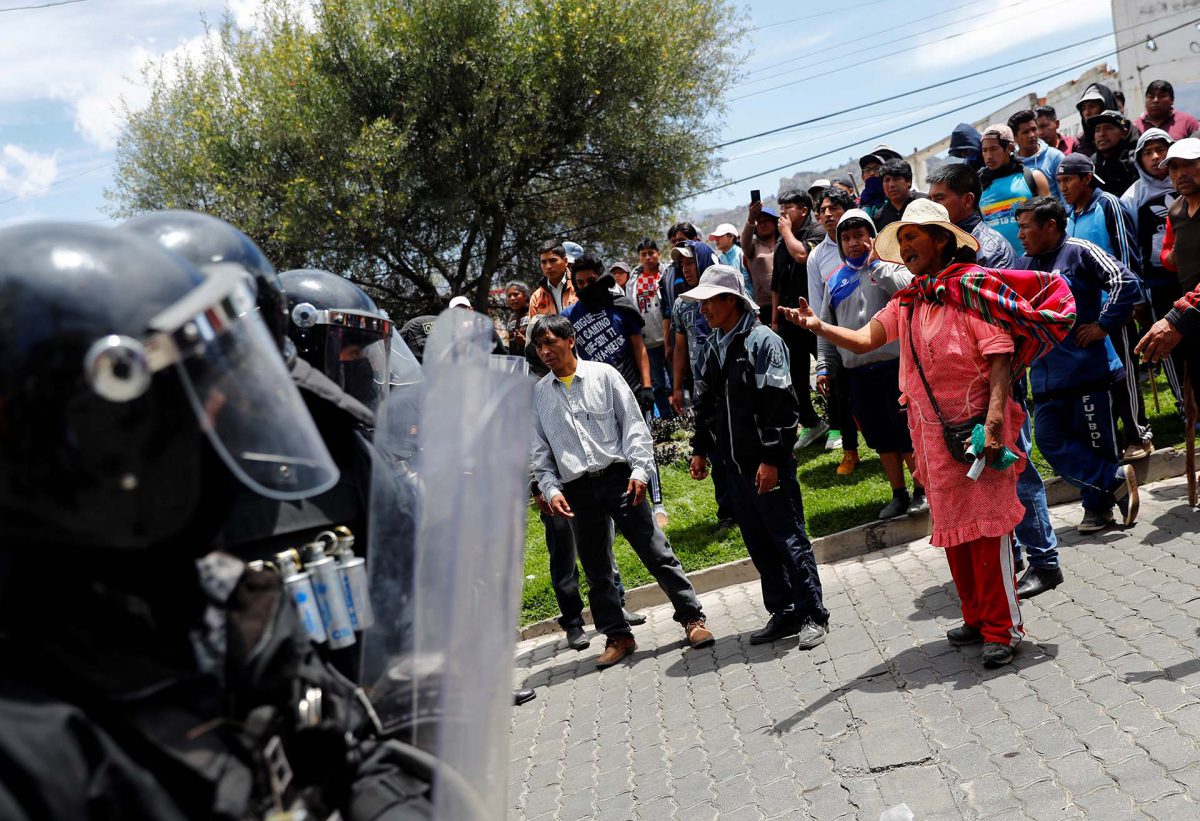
column 878, row 282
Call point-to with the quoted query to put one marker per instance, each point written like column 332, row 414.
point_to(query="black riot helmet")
column 208, row 243
column 340, row 331
column 119, row 359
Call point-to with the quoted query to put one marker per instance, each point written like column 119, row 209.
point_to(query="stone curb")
column 857, row 541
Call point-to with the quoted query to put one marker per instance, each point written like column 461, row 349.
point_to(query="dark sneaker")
column 576, row 639
column 1037, row 580
column 633, row 619
column 728, row 523
column 897, row 507
column 697, row 634
column 1093, row 521
column 811, row 634
column 778, row 626
column 523, row 695
column 919, row 503
column 615, row 649
column 996, row 655
column 964, row 634
column 1127, row 495
column 810, row 435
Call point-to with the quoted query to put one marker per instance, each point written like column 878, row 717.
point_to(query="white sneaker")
column 810, row 435
column 834, row 440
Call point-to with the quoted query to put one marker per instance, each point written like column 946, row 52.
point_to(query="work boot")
column 615, row 649
column 849, row 463
column 964, row 634
column 811, row 634
column 777, row 627
column 576, row 639
column 1127, row 495
column 995, row 654
column 697, row 634
column 1038, row 580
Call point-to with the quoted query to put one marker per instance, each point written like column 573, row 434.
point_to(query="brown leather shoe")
column 697, row 634
column 615, row 649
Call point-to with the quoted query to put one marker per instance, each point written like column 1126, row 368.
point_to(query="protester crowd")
column 1024, row 297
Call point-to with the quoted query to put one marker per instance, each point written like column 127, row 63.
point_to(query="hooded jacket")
column 1147, row 202
column 854, row 294
column 746, row 409
column 1119, row 168
column 685, row 315
column 965, row 143
column 604, row 322
column 1087, row 145
column 1069, row 369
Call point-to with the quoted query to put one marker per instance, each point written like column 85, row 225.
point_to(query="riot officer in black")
column 144, row 675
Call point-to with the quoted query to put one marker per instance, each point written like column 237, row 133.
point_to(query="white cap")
column 1186, row 149
column 821, row 183
column 723, row 229
column 460, row 302
column 720, row 279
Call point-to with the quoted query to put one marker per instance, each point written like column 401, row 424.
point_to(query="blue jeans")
column 660, row 379
column 1034, row 533
column 772, row 526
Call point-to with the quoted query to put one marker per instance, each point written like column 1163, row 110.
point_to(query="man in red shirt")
column 1161, row 113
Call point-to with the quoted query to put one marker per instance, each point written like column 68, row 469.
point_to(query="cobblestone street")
column 1098, row 717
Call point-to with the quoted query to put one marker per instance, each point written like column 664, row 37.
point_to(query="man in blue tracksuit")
column 1097, row 216
column 747, row 413
column 1073, row 421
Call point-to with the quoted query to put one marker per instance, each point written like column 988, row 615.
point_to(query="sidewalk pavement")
column 1098, row 717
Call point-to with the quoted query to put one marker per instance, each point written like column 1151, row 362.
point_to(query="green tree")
column 424, row 147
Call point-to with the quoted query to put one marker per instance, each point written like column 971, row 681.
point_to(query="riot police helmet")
column 209, row 243
column 120, row 359
column 339, row 330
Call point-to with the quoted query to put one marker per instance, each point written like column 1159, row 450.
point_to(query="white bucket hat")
column 920, row 212
column 717, row 280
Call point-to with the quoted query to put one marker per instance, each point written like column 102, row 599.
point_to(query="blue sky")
column 68, row 67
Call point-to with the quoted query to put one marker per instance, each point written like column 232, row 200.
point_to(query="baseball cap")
column 717, row 280
column 1109, row 116
column 769, row 212
column 1186, row 149
column 998, row 131
column 624, row 266
column 821, row 183
column 1080, row 164
column 574, row 251
column 867, row 159
column 682, row 252
column 460, row 302
column 723, row 229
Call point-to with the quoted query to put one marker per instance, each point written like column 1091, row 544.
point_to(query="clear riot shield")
column 439, row 670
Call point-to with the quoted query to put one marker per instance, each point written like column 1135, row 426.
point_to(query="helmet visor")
column 356, row 356
column 241, row 392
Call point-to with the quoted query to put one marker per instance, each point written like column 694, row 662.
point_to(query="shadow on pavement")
column 939, row 600
column 930, row 663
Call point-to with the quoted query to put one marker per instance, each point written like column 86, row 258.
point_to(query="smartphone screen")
column 755, row 195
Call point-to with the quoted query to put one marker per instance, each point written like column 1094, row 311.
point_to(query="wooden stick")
column 1189, row 405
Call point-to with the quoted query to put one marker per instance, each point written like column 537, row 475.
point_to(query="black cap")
column 1078, row 165
column 1113, row 117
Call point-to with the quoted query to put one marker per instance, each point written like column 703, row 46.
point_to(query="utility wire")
column 941, row 83
column 42, row 5
column 815, row 16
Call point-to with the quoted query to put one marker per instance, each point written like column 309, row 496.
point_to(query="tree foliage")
column 425, row 147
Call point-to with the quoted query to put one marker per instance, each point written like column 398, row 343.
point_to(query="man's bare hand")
column 540, row 501
column 823, row 385
column 802, row 315
column 559, row 507
column 1087, row 333
column 699, row 468
column 1159, row 341
column 677, row 401
column 767, row 478
column 636, row 491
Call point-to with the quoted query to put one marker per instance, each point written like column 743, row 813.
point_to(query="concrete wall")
column 1176, row 59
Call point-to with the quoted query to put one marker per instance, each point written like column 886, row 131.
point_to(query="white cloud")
column 24, row 172
column 996, row 30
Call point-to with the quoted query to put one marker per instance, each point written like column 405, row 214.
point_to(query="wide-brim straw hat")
column 923, row 213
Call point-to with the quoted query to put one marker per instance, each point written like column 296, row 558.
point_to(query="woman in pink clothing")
column 968, row 368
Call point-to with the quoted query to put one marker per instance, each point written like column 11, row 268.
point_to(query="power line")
column 939, row 84
column 815, row 16
column 858, row 40
column 42, row 5
column 60, row 181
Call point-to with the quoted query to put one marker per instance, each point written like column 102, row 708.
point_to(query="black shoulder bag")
column 958, row 435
